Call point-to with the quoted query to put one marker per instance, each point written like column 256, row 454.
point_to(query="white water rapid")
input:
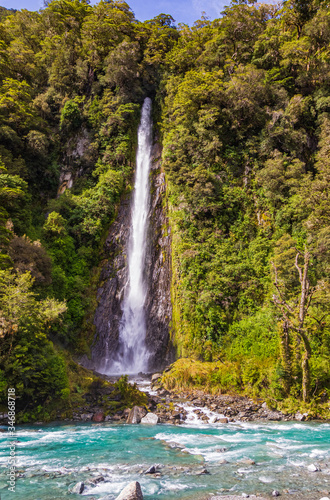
column 133, row 354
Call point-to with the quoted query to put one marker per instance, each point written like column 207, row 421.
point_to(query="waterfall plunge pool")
column 53, row 457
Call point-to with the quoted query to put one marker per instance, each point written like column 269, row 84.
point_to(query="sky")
column 183, row 11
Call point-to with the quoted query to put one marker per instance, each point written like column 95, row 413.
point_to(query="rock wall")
column 113, row 281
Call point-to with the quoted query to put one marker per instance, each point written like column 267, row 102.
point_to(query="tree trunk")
column 286, row 357
column 306, row 381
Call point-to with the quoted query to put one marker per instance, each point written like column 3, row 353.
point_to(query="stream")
column 192, row 461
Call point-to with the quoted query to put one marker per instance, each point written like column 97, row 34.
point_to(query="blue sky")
column 183, row 11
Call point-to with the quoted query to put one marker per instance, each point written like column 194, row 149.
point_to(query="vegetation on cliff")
column 246, row 152
column 243, row 110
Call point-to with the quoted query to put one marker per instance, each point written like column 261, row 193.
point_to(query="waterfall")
column 133, row 355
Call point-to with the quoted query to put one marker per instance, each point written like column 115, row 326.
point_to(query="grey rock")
column 247, row 461
column 276, row 493
column 150, row 418
column 86, row 416
column 151, row 470
column 98, row 479
column 131, row 492
column 136, row 414
column 202, row 472
column 156, row 376
column 245, row 495
column 313, row 468
column 78, row 488
column 301, row 416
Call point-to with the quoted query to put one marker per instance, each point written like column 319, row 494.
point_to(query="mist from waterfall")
column 133, row 355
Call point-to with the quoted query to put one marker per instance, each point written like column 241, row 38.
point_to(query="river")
column 52, row 458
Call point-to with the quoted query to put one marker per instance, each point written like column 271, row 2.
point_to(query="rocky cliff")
column 158, row 278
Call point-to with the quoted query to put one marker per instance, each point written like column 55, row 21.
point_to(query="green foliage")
column 246, row 147
column 70, row 116
column 28, row 359
column 130, row 395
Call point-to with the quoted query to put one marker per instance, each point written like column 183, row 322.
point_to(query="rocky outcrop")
column 79, row 156
column 131, row 492
column 113, row 280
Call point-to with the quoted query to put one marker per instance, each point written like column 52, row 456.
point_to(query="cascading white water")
column 133, row 354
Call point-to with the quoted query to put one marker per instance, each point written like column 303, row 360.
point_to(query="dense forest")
column 242, row 110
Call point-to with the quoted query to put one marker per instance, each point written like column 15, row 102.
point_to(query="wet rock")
column 223, row 420
column 301, row 416
column 131, row 492
column 156, row 376
column 136, row 414
column 98, row 416
column 78, row 488
column 245, row 495
column 202, row 472
column 151, row 470
column 97, row 480
column 276, row 493
column 247, row 461
column 313, row 468
column 150, row 418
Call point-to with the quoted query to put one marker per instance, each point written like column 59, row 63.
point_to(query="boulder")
column 301, row 416
column 155, row 377
column 276, row 493
column 98, row 416
column 78, row 488
column 86, row 416
column 131, row 492
column 151, row 470
column 223, row 420
column 136, row 414
column 150, row 418
column 313, row 468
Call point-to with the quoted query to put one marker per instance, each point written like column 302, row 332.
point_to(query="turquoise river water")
column 52, row 458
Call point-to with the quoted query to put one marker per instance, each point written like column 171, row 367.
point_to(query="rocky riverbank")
column 157, row 405
column 188, row 407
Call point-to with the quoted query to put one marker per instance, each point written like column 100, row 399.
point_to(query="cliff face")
column 158, row 278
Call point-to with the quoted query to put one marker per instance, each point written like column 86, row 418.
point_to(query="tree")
column 294, row 314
